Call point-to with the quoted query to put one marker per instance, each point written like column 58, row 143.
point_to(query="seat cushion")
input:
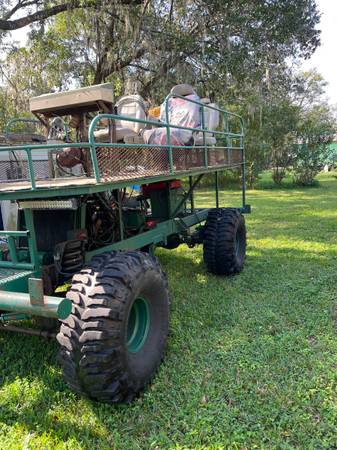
column 121, row 133
column 158, row 136
column 133, row 139
column 199, row 140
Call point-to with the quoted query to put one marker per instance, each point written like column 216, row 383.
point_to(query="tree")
column 37, row 11
column 308, row 89
column 212, row 44
column 276, row 114
column 281, row 119
column 316, row 130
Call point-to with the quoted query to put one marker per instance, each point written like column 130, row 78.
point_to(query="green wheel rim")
column 138, row 325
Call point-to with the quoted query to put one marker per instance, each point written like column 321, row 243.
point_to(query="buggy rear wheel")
column 224, row 241
column 114, row 340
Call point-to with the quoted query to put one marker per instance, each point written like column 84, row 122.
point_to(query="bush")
column 315, row 132
column 309, row 160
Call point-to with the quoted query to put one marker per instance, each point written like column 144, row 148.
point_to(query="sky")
column 324, row 57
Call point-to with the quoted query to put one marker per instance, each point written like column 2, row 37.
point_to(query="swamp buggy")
column 83, row 208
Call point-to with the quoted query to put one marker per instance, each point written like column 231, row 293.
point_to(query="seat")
column 121, row 133
column 217, row 154
column 209, row 140
column 181, row 112
column 212, row 120
column 130, row 106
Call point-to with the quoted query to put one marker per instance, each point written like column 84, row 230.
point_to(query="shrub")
column 316, row 130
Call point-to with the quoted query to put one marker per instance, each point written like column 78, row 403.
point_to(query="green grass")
column 251, row 360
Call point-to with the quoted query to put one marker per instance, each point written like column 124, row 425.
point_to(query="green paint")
column 11, row 317
column 71, row 191
column 64, row 308
column 14, row 279
column 190, row 183
column 32, row 247
column 216, row 189
column 120, row 215
column 54, row 307
column 133, row 219
column 95, row 163
column 83, row 212
column 184, row 198
column 12, row 250
column 92, row 146
column 31, row 168
column 155, row 236
column 14, row 233
column 138, row 325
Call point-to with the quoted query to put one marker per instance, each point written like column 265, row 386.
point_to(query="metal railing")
column 228, row 135
column 13, row 260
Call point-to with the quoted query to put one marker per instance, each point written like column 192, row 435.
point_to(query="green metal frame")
column 21, row 273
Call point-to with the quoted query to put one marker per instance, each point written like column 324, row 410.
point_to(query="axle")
column 54, row 307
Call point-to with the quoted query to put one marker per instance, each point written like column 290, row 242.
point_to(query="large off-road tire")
column 224, row 241
column 114, row 340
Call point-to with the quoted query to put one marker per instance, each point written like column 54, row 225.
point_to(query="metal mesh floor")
column 7, row 275
column 115, row 163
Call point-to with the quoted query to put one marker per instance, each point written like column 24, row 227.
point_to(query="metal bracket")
column 246, row 209
column 35, row 289
column 187, row 195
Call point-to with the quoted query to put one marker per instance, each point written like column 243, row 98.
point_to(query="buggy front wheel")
column 114, row 341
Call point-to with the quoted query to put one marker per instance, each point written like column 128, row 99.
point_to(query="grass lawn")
column 251, row 360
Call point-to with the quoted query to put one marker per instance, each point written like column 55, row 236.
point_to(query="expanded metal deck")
column 12, row 275
column 118, row 164
column 19, row 185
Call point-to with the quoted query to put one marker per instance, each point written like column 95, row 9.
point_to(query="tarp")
column 180, row 112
